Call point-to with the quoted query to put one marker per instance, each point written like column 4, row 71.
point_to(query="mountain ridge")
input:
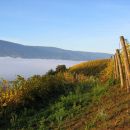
column 14, row 50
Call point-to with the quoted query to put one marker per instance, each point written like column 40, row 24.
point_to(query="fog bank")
column 11, row 67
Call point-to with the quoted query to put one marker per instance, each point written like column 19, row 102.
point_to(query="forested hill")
column 17, row 50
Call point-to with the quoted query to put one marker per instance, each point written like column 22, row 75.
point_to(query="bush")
column 51, row 72
column 61, row 68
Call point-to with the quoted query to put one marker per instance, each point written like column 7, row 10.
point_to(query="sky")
column 84, row 25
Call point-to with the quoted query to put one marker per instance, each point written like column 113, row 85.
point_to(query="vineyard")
column 93, row 95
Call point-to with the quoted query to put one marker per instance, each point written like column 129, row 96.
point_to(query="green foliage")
column 74, row 103
column 13, row 119
column 36, row 92
column 97, row 91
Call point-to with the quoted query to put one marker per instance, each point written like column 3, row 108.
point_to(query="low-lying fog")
column 11, row 67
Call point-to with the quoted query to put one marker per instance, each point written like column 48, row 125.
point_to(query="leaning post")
column 126, row 62
column 120, row 68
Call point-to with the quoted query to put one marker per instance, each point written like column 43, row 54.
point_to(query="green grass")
column 64, row 109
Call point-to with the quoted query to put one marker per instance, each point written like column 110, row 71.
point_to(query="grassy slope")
column 102, row 107
column 110, row 112
column 77, row 117
column 91, row 68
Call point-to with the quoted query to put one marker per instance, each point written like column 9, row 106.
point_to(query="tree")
column 61, row 68
column 50, row 72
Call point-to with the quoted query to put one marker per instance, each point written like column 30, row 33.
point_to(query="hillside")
column 33, row 104
column 75, row 99
column 108, row 113
column 89, row 68
column 17, row 50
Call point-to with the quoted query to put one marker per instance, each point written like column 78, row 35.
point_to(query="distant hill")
column 17, row 50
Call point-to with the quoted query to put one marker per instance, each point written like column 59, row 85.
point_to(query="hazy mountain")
column 33, row 52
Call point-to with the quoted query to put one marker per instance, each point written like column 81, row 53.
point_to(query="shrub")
column 61, row 68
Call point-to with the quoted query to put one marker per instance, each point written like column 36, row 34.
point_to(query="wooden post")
column 115, row 71
column 117, row 67
column 126, row 61
column 120, row 68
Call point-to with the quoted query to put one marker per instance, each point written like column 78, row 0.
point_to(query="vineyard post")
column 117, row 66
column 126, row 62
column 115, row 70
column 120, row 67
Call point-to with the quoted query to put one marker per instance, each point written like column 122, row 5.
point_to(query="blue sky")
column 86, row 25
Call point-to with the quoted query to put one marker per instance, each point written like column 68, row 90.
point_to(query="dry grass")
column 91, row 68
